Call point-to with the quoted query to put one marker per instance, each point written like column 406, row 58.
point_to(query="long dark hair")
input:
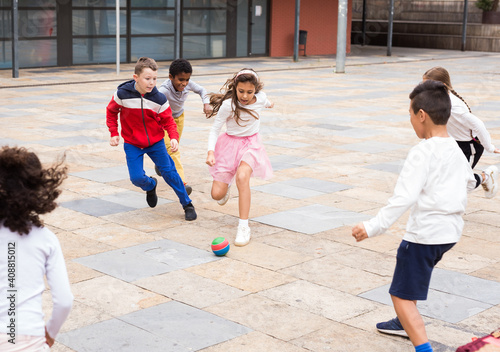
column 228, row 91
column 26, row 188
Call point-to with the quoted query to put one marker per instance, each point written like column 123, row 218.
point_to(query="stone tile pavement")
column 146, row 280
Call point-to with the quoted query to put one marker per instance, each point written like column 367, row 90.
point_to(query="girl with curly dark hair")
column 28, row 252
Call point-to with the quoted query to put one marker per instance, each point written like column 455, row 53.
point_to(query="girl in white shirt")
column 238, row 153
column 29, row 252
column 469, row 132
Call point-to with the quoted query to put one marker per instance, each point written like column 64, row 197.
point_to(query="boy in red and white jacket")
column 144, row 116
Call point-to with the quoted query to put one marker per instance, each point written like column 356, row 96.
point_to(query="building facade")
column 75, row 32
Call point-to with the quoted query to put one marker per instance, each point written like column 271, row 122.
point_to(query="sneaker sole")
column 223, row 201
column 394, row 332
column 241, row 244
column 491, row 193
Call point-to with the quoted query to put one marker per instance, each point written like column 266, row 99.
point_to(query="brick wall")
column 317, row 17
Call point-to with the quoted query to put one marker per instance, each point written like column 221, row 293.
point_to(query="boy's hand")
column 271, row 106
column 359, row 232
column 497, row 151
column 48, row 340
column 210, row 158
column 207, row 109
column 114, row 141
column 174, row 145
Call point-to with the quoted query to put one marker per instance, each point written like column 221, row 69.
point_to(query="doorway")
column 248, row 23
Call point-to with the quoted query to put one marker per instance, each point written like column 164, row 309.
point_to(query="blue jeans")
column 158, row 153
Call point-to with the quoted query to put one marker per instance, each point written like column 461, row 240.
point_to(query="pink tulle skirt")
column 230, row 151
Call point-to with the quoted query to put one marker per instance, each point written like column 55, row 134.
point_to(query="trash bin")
column 303, row 40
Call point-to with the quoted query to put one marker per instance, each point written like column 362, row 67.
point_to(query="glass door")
column 258, row 27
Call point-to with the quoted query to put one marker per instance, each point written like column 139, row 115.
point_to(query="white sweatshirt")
column 176, row 99
column 249, row 124
column 463, row 125
column 434, row 182
column 37, row 254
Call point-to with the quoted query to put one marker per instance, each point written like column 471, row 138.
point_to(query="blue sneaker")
column 392, row 327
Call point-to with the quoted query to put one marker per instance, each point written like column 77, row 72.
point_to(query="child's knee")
column 217, row 194
column 139, row 181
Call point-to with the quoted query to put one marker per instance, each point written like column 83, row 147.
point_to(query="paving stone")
column 146, row 260
column 190, row 288
column 186, row 326
column 69, row 141
column 320, row 300
column 247, row 277
column 116, row 335
column 373, row 147
column 270, row 317
column 311, row 219
column 439, row 305
column 96, row 207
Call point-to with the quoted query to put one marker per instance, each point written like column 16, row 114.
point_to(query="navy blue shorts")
column 414, row 266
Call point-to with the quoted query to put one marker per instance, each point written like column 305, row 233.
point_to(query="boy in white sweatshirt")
column 434, row 183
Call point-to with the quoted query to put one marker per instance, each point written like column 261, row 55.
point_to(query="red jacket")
column 143, row 119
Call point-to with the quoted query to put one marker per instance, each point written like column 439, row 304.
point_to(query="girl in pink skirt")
column 238, row 153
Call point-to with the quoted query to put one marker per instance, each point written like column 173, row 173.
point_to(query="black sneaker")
column 151, row 196
column 189, row 189
column 190, row 213
column 157, row 170
column 392, row 327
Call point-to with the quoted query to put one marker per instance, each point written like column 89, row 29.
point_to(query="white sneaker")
column 226, row 197
column 243, row 236
column 491, row 185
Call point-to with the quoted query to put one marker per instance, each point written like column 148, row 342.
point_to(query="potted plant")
column 490, row 14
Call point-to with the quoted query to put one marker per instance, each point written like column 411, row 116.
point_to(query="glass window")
column 205, row 3
column 37, row 23
column 97, row 22
column 38, row 3
column 204, row 21
column 152, row 3
column 6, row 54
column 35, row 53
column 5, row 24
column 153, row 21
column 97, row 50
column 196, row 47
column 98, row 3
column 158, row 48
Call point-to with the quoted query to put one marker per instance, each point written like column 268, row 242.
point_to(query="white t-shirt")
column 37, row 254
column 248, row 124
column 434, row 182
column 463, row 125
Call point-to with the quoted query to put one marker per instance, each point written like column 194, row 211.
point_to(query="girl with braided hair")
column 469, row 132
column 29, row 252
column 238, row 153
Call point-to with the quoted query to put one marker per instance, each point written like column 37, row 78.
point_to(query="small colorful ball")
column 220, row 246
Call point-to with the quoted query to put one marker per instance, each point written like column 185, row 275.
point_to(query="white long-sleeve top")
column 434, row 182
column 37, row 254
column 176, row 99
column 249, row 124
column 463, row 125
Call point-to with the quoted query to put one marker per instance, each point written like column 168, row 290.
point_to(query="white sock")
column 243, row 223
